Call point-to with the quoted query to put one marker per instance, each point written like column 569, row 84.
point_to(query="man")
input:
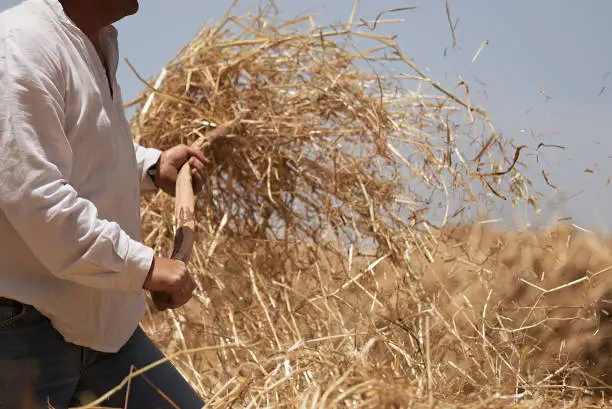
column 73, row 273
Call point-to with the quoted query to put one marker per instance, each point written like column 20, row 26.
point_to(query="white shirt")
column 70, row 180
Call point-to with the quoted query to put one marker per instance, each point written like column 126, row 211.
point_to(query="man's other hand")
column 170, row 283
column 171, row 162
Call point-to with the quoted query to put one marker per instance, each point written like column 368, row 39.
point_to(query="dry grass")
column 471, row 329
column 329, row 271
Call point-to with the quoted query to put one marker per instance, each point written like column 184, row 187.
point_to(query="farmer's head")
column 100, row 12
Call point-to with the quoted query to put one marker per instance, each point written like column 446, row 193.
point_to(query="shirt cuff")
column 138, row 262
column 150, row 156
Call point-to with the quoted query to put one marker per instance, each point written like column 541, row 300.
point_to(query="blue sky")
column 563, row 47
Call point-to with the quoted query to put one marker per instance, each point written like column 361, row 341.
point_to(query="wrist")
column 153, row 172
column 149, row 276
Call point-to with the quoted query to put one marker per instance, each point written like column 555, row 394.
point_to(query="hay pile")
column 327, row 274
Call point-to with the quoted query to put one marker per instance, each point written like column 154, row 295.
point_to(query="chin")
column 132, row 7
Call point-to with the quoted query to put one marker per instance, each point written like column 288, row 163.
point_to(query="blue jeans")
column 38, row 367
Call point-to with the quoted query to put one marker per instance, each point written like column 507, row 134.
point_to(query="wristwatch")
column 152, row 171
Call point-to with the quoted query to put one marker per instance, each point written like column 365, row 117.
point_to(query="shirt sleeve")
column 145, row 158
column 63, row 230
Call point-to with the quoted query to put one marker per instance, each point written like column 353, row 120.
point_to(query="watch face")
column 152, row 171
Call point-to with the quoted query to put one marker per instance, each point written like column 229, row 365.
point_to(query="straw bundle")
column 319, row 251
column 323, row 146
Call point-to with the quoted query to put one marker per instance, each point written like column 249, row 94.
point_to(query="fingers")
column 162, row 301
column 171, row 163
column 198, row 180
column 197, row 154
column 182, row 293
column 198, row 170
column 178, row 155
column 170, row 283
column 197, row 164
column 180, row 297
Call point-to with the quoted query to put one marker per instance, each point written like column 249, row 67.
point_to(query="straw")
column 330, row 246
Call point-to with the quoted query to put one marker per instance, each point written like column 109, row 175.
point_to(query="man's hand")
column 170, row 283
column 171, row 162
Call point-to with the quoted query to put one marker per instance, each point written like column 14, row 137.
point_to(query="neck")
column 79, row 12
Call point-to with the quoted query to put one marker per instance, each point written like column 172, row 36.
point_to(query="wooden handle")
column 184, row 202
column 184, row 212
column 184, row 206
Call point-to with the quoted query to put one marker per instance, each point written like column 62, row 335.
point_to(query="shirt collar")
column 56, row 7
column 109, row 33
